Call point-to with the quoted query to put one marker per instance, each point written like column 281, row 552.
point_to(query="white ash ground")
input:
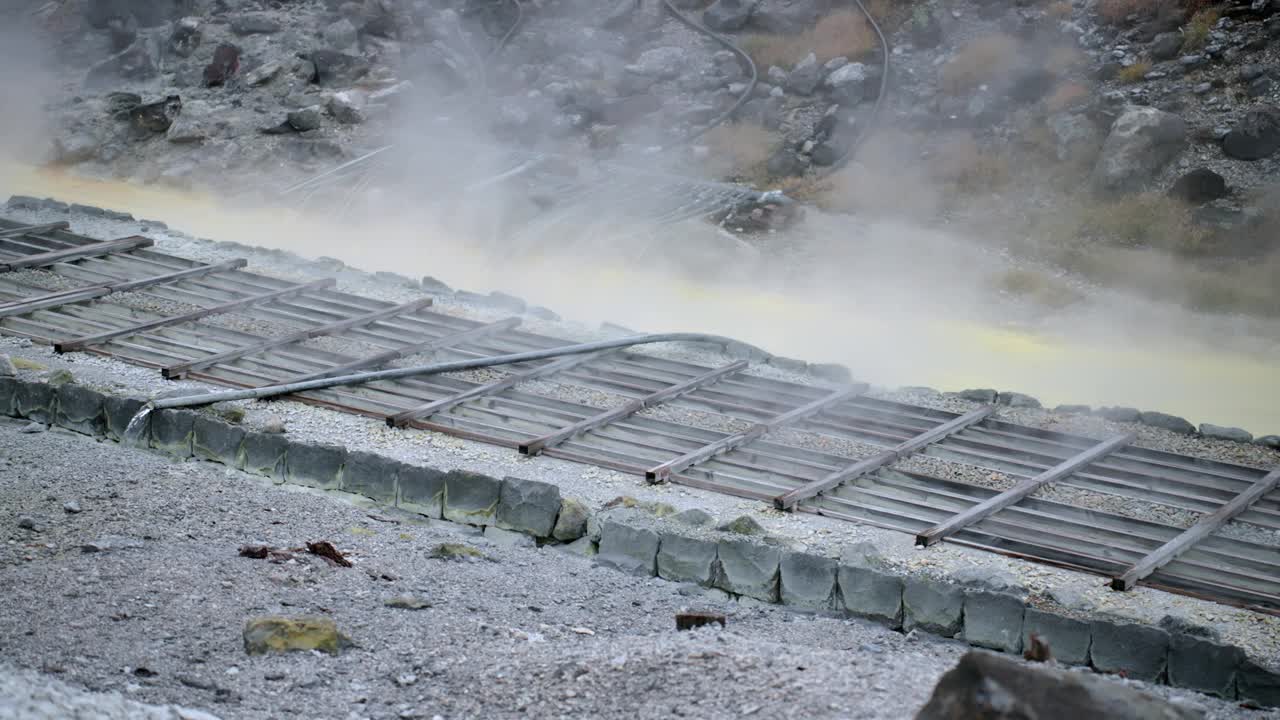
column 527, row 633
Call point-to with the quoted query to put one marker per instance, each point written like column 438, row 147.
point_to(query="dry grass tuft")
column 1134, row 73
column 978, row 62
column 840, row 34
column 1197, row 30
column 1116, row 11
column 1066, row 96
column 1060, row 10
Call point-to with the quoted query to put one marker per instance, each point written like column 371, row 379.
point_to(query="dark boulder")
column 728, row 15
column 991, row 687
column 1199, row 186
column 337, row 69
column 186, row 37
column 1256, row 136
column 225, row 64
column 155, row 117
column 1166, row 46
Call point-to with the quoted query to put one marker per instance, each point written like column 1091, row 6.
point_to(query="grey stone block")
column 528, row 506
column 216, row 441
column 1172, row 423
column 871, row 594
column 1256, row 683
column 1219, row 432
column 372, row 476
column 36, row 401
column 1203, row 665
column 422, row 490
column 1068, row 638
column 1141, row 652
column 932, row 606
column 686, row 559
column 508, row 538
column 806, row 580
column 264, row 454
column 571, row 523
column 8, row 395
column 993, row 620
column 317, row 466
column 582, row 547
column 119, row 411
column 172, row 431
column 471, row 498
column 80, row 409
column 748, row 568
column 631, row 550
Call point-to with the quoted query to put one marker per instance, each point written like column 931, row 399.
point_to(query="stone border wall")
column 680, row 549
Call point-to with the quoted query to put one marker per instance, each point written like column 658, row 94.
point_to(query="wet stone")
column 470, row 498
column 1137, row 650
column 264, row 454
column 421, row 490
column 317, row 466
column 216, row 441
column 571, row 523
column 35, row 401
column 686, row 559
column 1203, row 665
column 371, row 475
column 932, row 607
column 81, row 409
column 748, row 568
column 172, row 431
column 118, row 412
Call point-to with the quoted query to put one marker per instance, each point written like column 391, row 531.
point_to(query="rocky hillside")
column 1071, row 132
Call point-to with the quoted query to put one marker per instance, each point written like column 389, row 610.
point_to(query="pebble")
column 32, row 428
column 71, row 506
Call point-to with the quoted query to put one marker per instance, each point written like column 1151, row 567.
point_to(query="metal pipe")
column 433, row 369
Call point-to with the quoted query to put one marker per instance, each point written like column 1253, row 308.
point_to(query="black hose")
column 864, row 133
column 743, row 59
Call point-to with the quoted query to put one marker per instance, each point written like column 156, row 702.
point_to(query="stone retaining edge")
column 626, row 539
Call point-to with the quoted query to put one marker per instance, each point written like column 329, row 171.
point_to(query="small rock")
column 263, row 74
column 982, row 395
column 1018, row 400
column 347, row 107
column 6, row 367
column 109, row 543
column 1218, row 432
column 407, row 602
column 571, row 523
column 341, row 34
column 1173, row 423
column 743, row 525
column 186, row 37
column 1259, row 87
column 274, row 426
column 1166, row 46
column 1256, row 136
column 27, row 522
column 694, row 517
column 304, row 119
column 71, row 506
column 1119, row 414
column 225, row 64
column 1199, row 186
column 455, row 551
column 272, row 634
column 32, row 428
column 1143, row 140
column 406, row 679
column 1073, row 409
column 254, row 24
column 1271, row 441
column 847, row 83
column 805, row 76
column 728, row 15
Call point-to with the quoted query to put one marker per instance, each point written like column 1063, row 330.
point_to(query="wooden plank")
column 1014, row 494
column 663, row 472
column 82, row 342
column 534, row 447
column 899, row 451
column 382, row 358
column 1206, row 526
column 34, row 229
column 66, row 297
column 76, row 253
column 423, row 412
column 174, row 372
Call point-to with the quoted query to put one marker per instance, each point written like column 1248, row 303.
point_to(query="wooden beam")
column 1206, row 526
column 35, row 229
column 536, row 446
column 875, row 462
column 422, row 412
column 1014, row 494
column 174, row 372
column 76, row 253
column 82, row 342
column 66, row 297
column 382, row 358
column 663, row 472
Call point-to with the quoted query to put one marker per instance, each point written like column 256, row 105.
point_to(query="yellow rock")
column 270, row 634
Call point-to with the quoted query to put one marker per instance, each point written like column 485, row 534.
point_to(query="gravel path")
column 157, row 615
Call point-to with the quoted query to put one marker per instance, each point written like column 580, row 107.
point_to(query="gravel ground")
column 157, row 616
